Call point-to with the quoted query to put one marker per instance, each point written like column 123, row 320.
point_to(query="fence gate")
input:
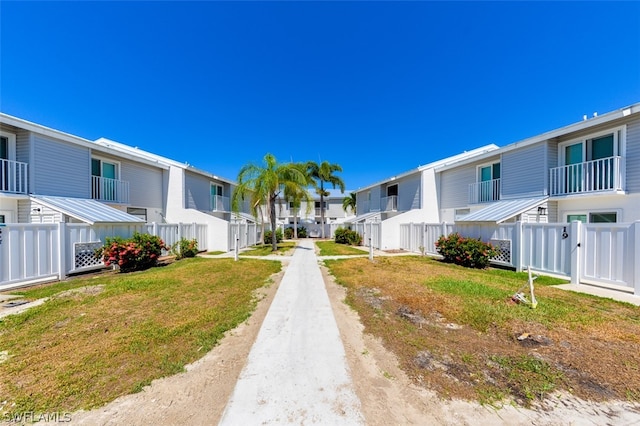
column 606, row 249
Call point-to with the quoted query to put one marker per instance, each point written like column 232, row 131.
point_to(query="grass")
column 455, row 330
column 331, row 248
column 84, row 348
column 266, row 249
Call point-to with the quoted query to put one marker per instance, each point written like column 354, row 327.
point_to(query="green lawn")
column 330, row 248
column 266, row 249
column 98, row 338
column 458, row 332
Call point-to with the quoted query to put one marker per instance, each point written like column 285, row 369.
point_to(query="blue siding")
column 60, row 168
column 524, row 172
column 408, row 192
column 145, row 184
column 454, row 186
column 633, row 157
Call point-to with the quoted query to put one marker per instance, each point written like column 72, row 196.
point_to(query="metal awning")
column 85, row 210
column 363, row 217
column 502, row 210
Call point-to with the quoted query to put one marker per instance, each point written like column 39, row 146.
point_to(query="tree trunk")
column 272, row 209
column 322, row 208
column 295, row 224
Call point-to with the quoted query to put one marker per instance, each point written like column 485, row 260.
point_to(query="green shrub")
column 136, row 253
column 302, row 232
column 347, row 236
column 469, row 252
column 185, row 248
column 268, row 235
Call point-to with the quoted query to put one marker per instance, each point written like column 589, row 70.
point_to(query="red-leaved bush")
column 469, row 252
column 137, row 253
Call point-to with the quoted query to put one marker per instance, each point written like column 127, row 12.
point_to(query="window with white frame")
column 104, row 174
column 216, row 197
column 488, row 183
column 590, row 164
column 594, row 217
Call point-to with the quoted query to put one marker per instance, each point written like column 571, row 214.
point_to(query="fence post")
column 444, row 229
column 62, row 250
column 154, row 229
column 576, row 237
column 636, row 268
column 518, row 247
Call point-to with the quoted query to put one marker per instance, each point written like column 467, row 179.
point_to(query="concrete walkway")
column 297, row 371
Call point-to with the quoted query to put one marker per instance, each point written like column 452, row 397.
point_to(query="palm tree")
column 263, row 185
column 295, row 196
column 349, row 203
column 324, row 172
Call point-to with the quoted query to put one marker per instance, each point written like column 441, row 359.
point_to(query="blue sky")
column 377, row 87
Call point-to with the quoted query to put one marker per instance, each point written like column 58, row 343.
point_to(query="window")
column 216, row 198
column 138, row 212
column 590, row 164
column 392, row 190
column 7, row 152
column 603, row 217
column 488, row 183
column 103, row 182
column 324, row 205
column 595, row 217
column 2, row 219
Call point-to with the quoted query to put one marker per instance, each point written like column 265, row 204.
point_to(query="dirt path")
column 199, row 395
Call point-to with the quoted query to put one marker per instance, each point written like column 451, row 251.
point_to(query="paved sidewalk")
column 297, row 371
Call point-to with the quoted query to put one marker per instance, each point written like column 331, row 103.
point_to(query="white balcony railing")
column 219, row 203
column 109, row 190
column 591, row 176
column 318, row 212
column 13, row 176
column 484, row 192
column 389, row 204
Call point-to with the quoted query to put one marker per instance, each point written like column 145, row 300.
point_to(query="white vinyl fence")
column 247, row 234
column 371, row 233
column 35, row 252
column 599, row 254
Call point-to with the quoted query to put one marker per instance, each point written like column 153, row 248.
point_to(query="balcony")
column 484, row 192
column 219, row 203
column 602, row 175
column 389, row 204
column 13, row 177
column 318, row 212
column 109, row 190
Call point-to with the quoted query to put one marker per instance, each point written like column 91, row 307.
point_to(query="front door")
column 104, row 188
column 4, row 166
column 602, row 149
column 573, row 158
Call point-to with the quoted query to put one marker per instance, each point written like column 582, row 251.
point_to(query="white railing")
column 389, row 204
column 110, row 190
column 319, row 212
column 13, row 176
column 220, row 203
column 484, row 192
column 591, row 176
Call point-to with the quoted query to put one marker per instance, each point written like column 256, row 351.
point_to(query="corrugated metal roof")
column 502, row 210
column 85, row 210
column 362, row 217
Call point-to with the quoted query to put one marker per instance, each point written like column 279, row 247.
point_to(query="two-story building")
column 407, row 197
column 309, row 214
column 587, row 171
column 50, row 176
